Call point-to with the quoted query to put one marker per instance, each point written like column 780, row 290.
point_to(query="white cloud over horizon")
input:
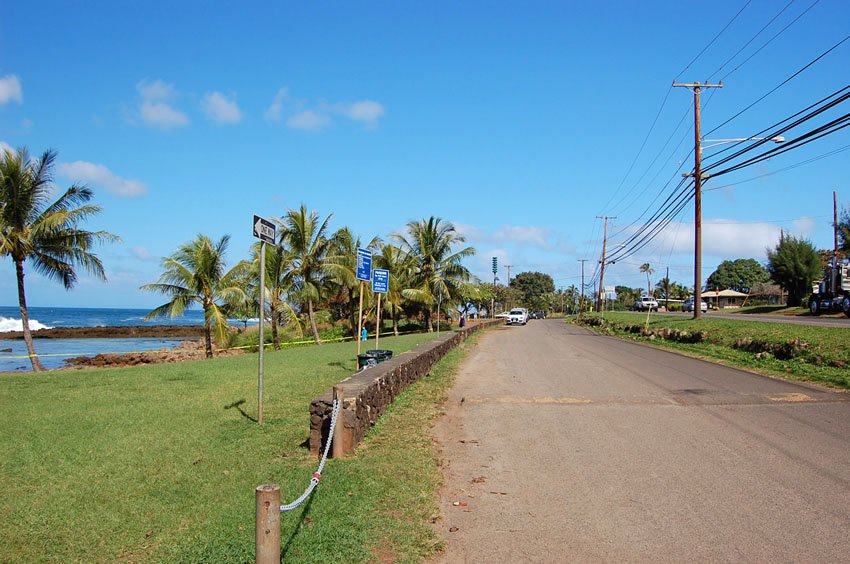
column 99, row 175
column 730, row 239
column 221, row 109
column 155, row 108
column 10, row 89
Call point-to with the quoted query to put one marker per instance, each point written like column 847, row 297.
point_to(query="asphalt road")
column 559, row 445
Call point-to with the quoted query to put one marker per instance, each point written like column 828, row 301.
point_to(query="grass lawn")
column 159, row 463
column 823, row 356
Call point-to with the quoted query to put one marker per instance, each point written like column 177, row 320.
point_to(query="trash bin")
column 373, row 357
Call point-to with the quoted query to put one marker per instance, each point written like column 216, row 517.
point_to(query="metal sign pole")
column 262, row 322
column 378, row 330
column 360, row 318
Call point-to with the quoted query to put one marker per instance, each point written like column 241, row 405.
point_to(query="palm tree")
column 308, row 243
column 195, row 274
column 437, row 267
column 277, row 286
column 400, row 267
column 341, row 264
column 645, row 267
column 31, row 227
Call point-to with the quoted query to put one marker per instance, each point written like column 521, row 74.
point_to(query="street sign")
column 263, row 229
column 380, row 281
column 495, row 265
column 364, row 265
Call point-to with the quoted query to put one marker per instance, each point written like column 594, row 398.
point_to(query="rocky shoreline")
column 115, row 332
column 191, row 349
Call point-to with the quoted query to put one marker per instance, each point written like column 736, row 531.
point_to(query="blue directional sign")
column 364, row 264
column 381, row 281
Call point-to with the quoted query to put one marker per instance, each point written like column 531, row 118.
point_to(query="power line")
column 781, row 84
column 753, row 38
column 710, row 43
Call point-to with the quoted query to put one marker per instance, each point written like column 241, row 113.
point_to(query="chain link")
column 317, row 475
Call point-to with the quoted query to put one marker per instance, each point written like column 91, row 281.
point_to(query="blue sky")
column 518, row 122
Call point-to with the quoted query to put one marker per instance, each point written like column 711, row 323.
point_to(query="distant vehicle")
column 537, row 314
column 646, row 303
column 517, row 316
column 503, row 315
column 833, row 289
column 688, row 305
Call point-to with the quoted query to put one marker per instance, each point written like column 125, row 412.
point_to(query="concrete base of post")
column 268, row 524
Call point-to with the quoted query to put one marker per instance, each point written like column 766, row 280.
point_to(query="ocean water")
column 53, row 352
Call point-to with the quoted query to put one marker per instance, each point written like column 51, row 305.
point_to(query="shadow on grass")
column 297, row 527
column 238, row 406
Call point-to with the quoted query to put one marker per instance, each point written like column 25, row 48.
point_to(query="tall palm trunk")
column 207, row 332
column 352, row 314
column 273, row 315
column 37, row 366
column 312, row 317
column 428, row 321
column 395, row 324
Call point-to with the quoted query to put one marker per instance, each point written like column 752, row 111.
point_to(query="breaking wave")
column 11, row 324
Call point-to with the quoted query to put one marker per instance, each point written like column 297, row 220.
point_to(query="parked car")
column 688, row 305
column 517, row 316
column 646, row 303
column 537, row 314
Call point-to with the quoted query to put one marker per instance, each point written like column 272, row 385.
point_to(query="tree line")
column 307, row 268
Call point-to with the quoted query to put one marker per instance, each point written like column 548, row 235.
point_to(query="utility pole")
column 508, row 266
column 602, row 262
column 667, row 291
column 697, row 193
column 581, row 304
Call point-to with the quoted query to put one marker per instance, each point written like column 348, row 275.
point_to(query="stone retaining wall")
column 368, row 394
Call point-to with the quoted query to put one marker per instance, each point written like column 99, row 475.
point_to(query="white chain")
column 317, row 475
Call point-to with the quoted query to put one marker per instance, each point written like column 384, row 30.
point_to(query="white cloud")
column 142, row 253
column 160, row 114
column 156, row 90
column 366, row 111
column 10, row 89
column 275, row 111
column 525, row 235
column 314, row 116
column 721, row 238
column 469, row 232
column 308, row 120
column 221, row 109
column 155, row 108
column 5, row 147
column 99, row 175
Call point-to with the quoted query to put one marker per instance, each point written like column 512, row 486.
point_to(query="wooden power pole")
column 697, row 87
column 602, row 262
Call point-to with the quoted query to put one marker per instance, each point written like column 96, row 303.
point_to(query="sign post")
column 264, row 231
column 364, row 274
column 380, row 285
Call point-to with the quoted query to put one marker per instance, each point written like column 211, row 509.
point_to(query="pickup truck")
column 517, row 316
column 646, row 303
